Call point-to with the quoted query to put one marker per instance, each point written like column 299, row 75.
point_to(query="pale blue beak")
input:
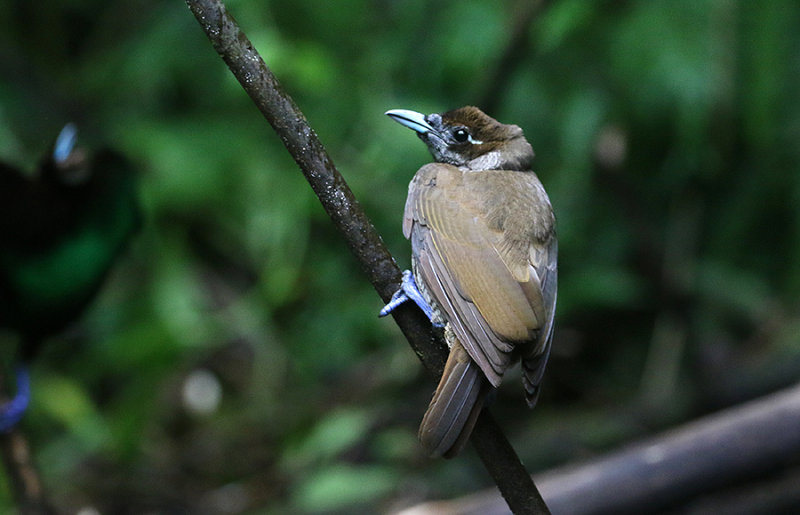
column 65, row 142
column 411, row 119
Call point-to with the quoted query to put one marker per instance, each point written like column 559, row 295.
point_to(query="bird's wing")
column 489, row 285
column 535, row 359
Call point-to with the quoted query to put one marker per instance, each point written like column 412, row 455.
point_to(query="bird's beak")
column 411, row 119
column 65, row 143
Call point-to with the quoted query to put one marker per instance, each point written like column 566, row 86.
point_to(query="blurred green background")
column 234, row 362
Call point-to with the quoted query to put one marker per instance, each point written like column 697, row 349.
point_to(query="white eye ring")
column 460, row 132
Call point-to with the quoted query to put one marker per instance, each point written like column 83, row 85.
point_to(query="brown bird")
column 484, row 249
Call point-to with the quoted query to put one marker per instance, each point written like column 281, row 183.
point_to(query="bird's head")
column 469, row 138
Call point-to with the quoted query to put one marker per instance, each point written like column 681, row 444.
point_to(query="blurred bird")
column 484, row 249
column 61, row 229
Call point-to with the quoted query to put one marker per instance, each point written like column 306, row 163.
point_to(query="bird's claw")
column 408, row 291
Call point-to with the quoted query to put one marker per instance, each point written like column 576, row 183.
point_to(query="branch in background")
column 346, row 214
column 494, row 88
column 672, row 469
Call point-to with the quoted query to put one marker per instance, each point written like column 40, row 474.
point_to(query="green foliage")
column 665, row 133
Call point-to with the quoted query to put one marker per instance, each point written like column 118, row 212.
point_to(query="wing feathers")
column 492, row 357
column 489, row 266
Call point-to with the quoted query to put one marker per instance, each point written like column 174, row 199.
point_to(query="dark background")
column 667, row 135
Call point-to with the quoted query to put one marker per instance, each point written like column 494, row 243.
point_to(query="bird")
column 483, row 265
column 61, row 229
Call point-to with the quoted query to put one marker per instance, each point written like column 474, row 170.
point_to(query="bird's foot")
column 12, row 411
column 409, row 291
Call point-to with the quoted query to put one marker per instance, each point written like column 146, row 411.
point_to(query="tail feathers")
column 531, row 390
column 532, row 372
column 455, row 406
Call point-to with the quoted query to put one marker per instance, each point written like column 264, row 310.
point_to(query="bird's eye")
column 461, row 134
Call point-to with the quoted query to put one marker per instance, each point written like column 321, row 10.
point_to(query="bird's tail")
column 455, row 406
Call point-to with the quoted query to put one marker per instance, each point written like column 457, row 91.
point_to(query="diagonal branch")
column 358, row 232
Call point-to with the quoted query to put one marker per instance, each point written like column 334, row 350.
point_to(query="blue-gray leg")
column 408, row 291
column 12, row 411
